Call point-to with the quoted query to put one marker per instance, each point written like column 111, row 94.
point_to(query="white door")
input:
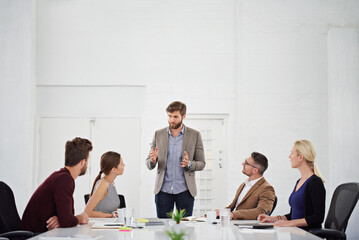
column 210, row 181
column 120, row 135
column 53, row 134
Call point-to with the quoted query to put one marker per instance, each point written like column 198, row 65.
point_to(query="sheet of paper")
column 108, row 225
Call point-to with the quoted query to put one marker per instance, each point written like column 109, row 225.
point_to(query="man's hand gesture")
column 185, row 160
column 154, row 155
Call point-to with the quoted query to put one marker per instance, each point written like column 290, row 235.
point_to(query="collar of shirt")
column 181, row 132
column 251, row 183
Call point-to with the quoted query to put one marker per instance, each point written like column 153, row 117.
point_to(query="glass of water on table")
column 224, row 215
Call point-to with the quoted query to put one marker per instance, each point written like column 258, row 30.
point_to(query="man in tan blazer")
column 178, row 152
column 255, row 196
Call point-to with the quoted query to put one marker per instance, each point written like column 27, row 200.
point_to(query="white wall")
column 264, row 63
column 282, row 85
column 17, row 96
column 283, row 89
column 179, row 50
column 343, row 97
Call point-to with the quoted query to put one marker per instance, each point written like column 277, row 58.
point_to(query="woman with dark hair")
column 103, row 198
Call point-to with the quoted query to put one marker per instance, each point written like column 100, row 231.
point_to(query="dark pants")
column 165, row 202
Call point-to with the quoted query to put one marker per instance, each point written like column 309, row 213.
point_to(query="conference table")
column 194, row 231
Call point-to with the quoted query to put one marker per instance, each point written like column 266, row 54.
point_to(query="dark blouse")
column 296, row 201
column 314, row 203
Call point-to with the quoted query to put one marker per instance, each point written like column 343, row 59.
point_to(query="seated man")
column 255, row 196
column 52, row 204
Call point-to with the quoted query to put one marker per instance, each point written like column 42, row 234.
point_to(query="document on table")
column 195, row 219
column 107, row 225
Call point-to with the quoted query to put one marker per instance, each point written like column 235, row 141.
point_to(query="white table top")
column 194, row 231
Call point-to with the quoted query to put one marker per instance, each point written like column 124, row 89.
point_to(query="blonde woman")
column 307, row 200
column 103, row 198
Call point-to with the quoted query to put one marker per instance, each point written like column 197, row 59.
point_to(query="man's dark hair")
column 260, row 160
column 76, row 150
column 177, row 106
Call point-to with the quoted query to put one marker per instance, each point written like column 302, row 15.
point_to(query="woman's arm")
column 99, row 194
column 263, row 218
column 291, row 223
column 316, row 193
column 282, row 221
column 317, row 199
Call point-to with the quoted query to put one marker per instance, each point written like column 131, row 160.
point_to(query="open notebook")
column 105, row 223
column 151, row 221
column 195, row 219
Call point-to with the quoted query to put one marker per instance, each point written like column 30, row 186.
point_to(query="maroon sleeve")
column 64, row 201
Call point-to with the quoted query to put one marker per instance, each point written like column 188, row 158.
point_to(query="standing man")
column 178, row 152
column 52, row 204
column 255, row 196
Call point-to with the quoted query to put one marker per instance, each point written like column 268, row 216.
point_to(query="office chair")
column 274, row 205
column 344, row 199
column 121, row 197
column 9, row 217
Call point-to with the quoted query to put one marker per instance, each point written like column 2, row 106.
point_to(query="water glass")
column 128, row 217
column 224, row 215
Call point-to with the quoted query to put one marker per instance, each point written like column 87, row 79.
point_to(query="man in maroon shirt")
column 52, row 204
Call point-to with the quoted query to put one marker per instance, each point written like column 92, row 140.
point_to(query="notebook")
column 150, row 221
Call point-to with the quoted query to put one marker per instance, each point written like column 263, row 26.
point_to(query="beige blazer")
column 192, row 144
column 258, row 200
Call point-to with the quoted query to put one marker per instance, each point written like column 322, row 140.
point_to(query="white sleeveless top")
column 111, row 201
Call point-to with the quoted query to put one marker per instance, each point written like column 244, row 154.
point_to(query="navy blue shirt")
column 296, row 201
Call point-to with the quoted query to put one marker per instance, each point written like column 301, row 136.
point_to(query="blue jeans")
column 165, row 203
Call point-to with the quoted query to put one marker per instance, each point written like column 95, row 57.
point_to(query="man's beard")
column 176, row 126
column 83, row 171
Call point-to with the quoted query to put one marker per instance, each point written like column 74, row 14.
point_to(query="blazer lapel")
column 186, row 136
column 237, row 196
column 166, row 146
column 253, row 188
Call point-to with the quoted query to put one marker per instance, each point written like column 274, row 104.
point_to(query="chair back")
column 121, row 197
column 9, row 217
column 86, row 197
column 122, row 201
column 344, row 199
column 274, row 205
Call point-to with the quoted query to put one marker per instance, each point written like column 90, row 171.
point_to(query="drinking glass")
column 224, row 215
column 128, row 216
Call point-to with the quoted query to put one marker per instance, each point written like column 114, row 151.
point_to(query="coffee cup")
column 120, row 215
column 211, row 216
